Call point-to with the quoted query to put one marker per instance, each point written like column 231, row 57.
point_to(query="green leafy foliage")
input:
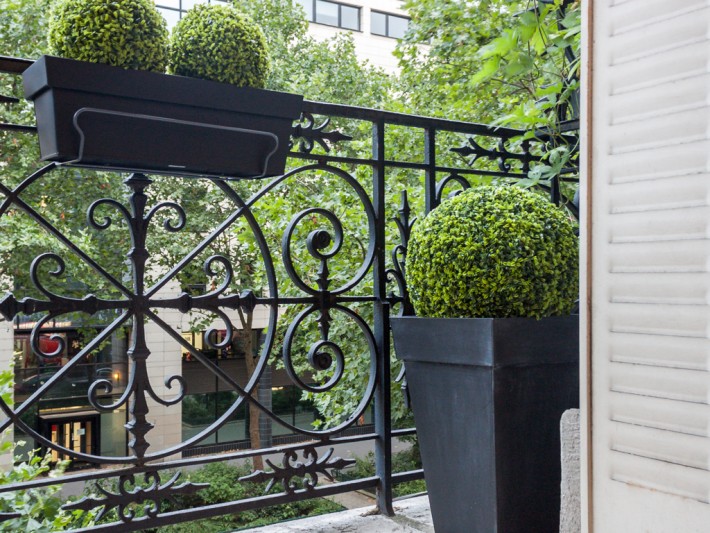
column 438, row 58
column 216, row 42
column 286, row 31
column 491, row 58
column 529, row 58
column 224, row 487
column 325, row 70
column 536, row 60
column 402, row 461
column 123, row 33
column 21, row 25
column 39, row 508
column 501, row 62
column 493, row 252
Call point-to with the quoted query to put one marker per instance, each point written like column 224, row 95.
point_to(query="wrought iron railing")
column 380, row 166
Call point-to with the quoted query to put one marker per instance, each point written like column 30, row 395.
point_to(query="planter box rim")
column 99, row 78
column 99, row 116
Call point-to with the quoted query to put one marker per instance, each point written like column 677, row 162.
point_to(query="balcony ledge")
column 412, row 516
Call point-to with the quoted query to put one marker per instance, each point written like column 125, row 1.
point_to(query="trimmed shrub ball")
column 216, row 42
column 493, row 252
column 123, row 33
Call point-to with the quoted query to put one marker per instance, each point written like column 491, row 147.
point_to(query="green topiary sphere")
column 122, row 33
column 215, row 42
column 493, row 252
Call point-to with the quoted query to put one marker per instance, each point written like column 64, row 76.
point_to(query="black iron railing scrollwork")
column 385, row 188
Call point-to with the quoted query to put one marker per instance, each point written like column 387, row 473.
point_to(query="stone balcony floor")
column 412, row 516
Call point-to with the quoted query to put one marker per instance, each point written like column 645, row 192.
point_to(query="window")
column 332, row 14
column 350, row 18
column 388, row 25
column 174, row 10
column 241, row 340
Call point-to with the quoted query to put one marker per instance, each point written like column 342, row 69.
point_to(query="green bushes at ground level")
column 403, row 461
column 224, row 487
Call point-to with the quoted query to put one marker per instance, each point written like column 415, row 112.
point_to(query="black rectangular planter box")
column 101, row 116
column 488, row 395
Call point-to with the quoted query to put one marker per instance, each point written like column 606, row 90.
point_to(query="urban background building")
column 375, row 26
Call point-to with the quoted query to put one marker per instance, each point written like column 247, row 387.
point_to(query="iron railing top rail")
column 403, row 119
column 15, row 65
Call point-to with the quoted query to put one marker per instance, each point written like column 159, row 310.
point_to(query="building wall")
column 648, row 255
column 165, row 361
column 374, row 48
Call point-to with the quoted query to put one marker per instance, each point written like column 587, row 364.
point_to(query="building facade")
column 375, row 26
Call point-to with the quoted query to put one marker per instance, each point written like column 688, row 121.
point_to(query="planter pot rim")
column 487, row 342
column 488, row 319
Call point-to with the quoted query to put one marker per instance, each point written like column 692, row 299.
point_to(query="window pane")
column 198, row 413
column 171, row 17
column 349, row 18
column 378, row 23
column 398, row 27
column 326, row 13
column 308, row 7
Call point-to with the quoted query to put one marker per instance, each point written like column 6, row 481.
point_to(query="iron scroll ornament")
column 307, row 471
column 140, row 302
column 129, row 493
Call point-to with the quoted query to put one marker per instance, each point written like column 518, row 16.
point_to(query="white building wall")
column 165, row 361
column 374, row 48
column 647, row 245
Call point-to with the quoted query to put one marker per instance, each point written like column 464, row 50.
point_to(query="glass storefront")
column 209, row 398
column 63, row 415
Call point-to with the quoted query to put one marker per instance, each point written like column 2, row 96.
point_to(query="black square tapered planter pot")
column 101, row 116
column 488, row 395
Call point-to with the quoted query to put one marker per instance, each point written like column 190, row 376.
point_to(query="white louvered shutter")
column 650, row 266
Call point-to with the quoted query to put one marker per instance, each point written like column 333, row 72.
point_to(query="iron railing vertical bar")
column 383, row 408
column 555, row 194
column 430, row 173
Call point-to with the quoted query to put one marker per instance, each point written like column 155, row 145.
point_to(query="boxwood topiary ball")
column 216, row 42
column 122, row 33
column 493, row 252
